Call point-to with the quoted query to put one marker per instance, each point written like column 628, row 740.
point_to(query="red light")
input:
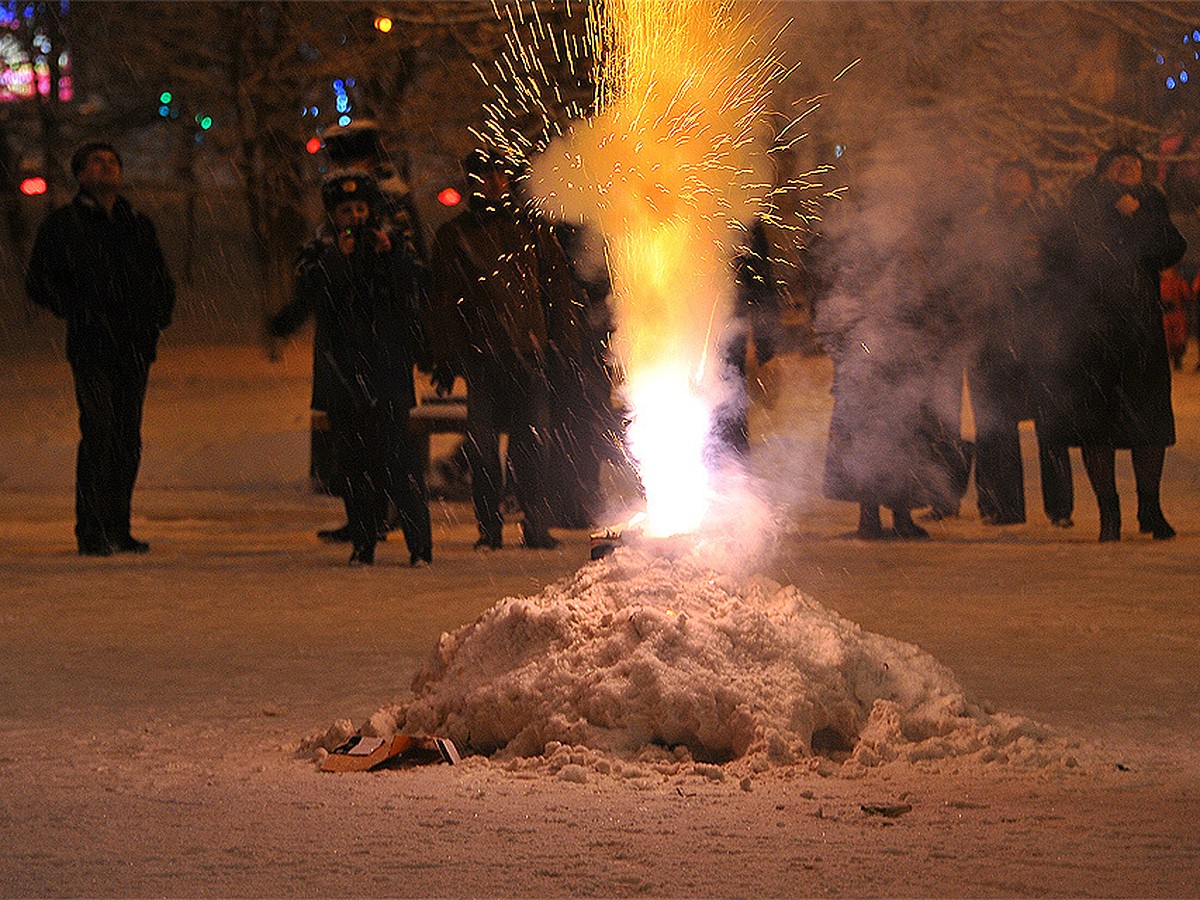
column 449, row 197
column 33, row 187
column 313, row 145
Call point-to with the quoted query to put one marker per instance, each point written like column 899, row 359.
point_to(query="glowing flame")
column 667, row 437
column 670, row 171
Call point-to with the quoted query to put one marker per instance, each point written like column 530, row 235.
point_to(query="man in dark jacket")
column 502, row 305
column 1012, row 302
column 365, row 289
column 97, row 264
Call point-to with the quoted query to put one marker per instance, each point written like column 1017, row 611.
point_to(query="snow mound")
column 642, row 650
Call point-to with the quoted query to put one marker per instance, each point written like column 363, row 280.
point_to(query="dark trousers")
column 517, row 403
column 1000, row 476
column 580, row 420
column 378, row 465
column 110, row 396
column 1058, row 491
column 999, row 473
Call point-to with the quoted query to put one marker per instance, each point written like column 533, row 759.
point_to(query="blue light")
column 1170, row 83
column 1183, row 77
column 350, row 81
column 339, row 86
column 343, row 120
column 838, row 150
column 164, row 111
column 315, row 110
column 343, row 103
column 1196, row 35
column 1159, row 59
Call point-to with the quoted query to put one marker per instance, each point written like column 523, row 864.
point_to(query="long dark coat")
column 1112, row 385
column 366, row 305
column 884, row 336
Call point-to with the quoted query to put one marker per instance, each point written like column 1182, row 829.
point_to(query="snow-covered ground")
column 152, row 707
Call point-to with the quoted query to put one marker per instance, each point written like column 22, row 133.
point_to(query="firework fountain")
column 663, row 643
column 670, row 169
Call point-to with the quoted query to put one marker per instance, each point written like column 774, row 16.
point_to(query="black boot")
column 363, row 555
column 906, row 529
column 1147, row 474
column 870, row 528
column 1152, row 521
column 1110, row 519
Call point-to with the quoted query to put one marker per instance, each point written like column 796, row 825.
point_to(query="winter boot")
column 363, row 555
column 906, row 529
column 870, row 527
column 1151, row 519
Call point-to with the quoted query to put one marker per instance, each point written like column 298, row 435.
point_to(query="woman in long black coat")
column 1118, row 376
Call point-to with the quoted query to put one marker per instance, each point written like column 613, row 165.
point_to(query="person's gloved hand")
column 443, row 377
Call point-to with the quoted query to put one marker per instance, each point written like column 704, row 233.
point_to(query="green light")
column 164, row 97
column 206, row 123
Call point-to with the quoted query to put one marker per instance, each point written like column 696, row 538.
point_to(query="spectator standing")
column 1012, row 291
column 1120, row 396
column 885, row 331
column 583, row 423
column 97, row 263
column 357, row 147
column 366, row 290
column 502, row 305
column 755, row 321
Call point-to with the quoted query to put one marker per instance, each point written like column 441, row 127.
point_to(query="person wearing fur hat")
column 1118, row 387
column 97, row 264
column 502, row 306
column 366, row 290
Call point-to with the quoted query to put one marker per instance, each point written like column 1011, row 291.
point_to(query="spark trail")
column 670, row 166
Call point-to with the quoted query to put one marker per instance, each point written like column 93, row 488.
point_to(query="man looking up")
column 97, row 263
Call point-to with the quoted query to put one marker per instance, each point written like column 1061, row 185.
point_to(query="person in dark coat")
column 1119, row 392
column 583, row 423
column 97, row 263
column 502, row 305
column 366, row 291
column 1008, row 319
column 884, row 330
column 286, row 322
column 755, row 321
column 358, row 146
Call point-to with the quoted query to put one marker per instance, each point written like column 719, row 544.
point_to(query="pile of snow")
column 653, row 649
